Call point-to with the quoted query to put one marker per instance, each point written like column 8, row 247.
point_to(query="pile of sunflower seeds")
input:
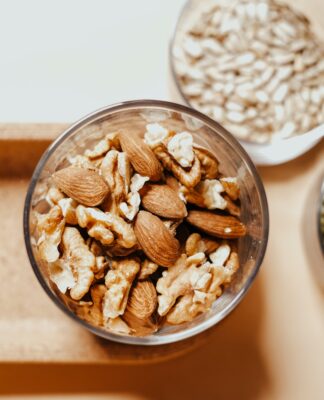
column 254, row 66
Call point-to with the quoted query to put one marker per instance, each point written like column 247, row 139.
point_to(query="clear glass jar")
column 133, row 116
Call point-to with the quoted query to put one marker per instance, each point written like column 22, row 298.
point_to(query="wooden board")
column 32, row 328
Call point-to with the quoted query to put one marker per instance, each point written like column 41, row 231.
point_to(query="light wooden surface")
column 32, row 328
column 31, row 311
column 270, row 347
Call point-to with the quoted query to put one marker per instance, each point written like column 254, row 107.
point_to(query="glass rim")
column 216, row 127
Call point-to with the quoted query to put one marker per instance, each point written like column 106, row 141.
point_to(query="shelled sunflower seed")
column 254, row 66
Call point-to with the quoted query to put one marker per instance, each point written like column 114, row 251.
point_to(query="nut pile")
column 254, row 66
column 120, row 238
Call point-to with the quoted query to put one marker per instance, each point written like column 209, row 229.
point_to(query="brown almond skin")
column 85, row 186
column 142, row 301
column 215, row 225
column 141, row 156
column 156, row 240
column 163, row 201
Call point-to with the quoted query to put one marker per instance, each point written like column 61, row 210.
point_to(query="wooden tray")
column 31, row 327
column 275, row 336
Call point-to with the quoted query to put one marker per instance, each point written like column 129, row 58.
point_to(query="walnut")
column 206, row 194
column 53, row 196
column 119, row 280
column 50, row 227
column 116, row 170
column 208, row 163
column 231, row 187
column 109, row 142
column 68, row 207
column 100, row 232
column 220, row 256
column 102, row 260
column 210, row 190
column 232, row 265
column 172, row 225
column 60, row 272
column 82, row 162
column 180, row 148
column 180, row 279
column 199, row 300
column 196, row 244
column 123, row 232
column 92, row 312
column 196, row 282
column 190, row 177
column 117, row 325
column 148, row 268
column 81, row 260
column 155, row 134
column 117, row 250
column 130, row 207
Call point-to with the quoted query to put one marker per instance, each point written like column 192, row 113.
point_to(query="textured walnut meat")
column 119, row 280
column 134, row 233
column 50, row 227
column 81, row 259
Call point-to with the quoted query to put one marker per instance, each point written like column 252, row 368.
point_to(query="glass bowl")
column 133, row 117
column 267, row 153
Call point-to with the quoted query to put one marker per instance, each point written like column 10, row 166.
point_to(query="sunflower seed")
column 280, row 93
column 218, row 113
column 232, row 106
column 192, row 48
column 235, row 116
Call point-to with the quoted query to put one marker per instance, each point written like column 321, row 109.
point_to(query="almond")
column 156, row 240
column 141, row 156
column 222, row 226
column 163, row 201
column 83, row 185
column 142, row 301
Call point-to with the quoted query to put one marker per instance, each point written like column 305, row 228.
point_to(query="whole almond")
column 163, row 201
column 141, row 156
column 222, row 226
column 142, row 300
column 156, row 240
column 85, row 186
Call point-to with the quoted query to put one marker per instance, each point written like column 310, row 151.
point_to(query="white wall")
column 65, row 58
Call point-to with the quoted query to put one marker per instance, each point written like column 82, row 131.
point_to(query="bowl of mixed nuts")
column 257, row 68
column 146, row 222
